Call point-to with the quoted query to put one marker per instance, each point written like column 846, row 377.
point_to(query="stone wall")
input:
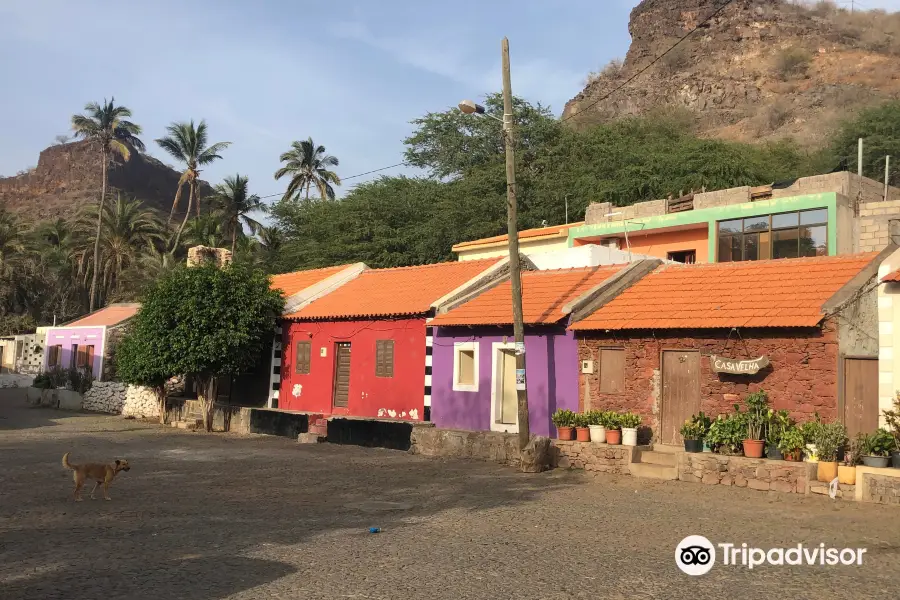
column 753, row 473
column 875, row 223
column 590, row 456
column 105, row 397
column 119, row 398
column 494, row 446
column 881, row 489
column 199, row 255
column 802, row 377
column 140, row 402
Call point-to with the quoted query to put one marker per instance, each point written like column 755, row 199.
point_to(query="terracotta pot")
column 614, row 436
column 754, row 448
column 582, row 434
column 566, row 433
column 847, row 475
column 792, row 456
column 826, row 471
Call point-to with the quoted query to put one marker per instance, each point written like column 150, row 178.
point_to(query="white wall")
column 589, row 255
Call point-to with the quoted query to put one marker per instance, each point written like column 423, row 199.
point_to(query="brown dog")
column 99, row 472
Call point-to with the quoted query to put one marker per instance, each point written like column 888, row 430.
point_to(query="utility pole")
column 859, row 158
column 512, row 229
column 887, row 165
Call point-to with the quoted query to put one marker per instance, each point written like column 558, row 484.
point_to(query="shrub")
column 629, row 420
column 563, row 418
column 676, row 59
column 879, row 443
column 594, row 417
column 727, row 433
column 43, row 381
column 829, row 439
column 791, row 440
column 612, row 420
column 696, row 427
column 612, row 70
column 79, row 380
column 792, row 63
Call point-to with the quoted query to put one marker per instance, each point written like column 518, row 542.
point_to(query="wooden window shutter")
column 89, row 357
column 612, row 370
column 53, row 358
column 384, row 358
column 74, row 355
column 302, row 358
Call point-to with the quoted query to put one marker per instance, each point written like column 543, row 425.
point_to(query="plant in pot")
column 726, row 432
column 757, row 414
column 693, row 434
column 564, row 420
column 629, row 423
column 791, row 443
column 582, row 433
column 810, row 430
column 778, row 422
column 613, row 428
column 876, row 448
column 847, row 471
column 892, row 420
column 595, row 424
column 830, row 439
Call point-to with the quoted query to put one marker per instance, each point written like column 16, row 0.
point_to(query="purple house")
column 86, row 342
column 473, row 375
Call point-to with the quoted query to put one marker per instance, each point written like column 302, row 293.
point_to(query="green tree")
column 105, row 125
column 879, row 126
column 308, row 165
column 206, row 230
column 235, row 202
column 142, row 360
column 186, row 143
column 205, row 322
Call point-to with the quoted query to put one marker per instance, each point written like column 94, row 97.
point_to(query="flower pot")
column 811, row 453
column 847, row 475
column 598, row 433
column 566, row 433
column 706, row 447
column 693, row 445
column 753, row 448
column 582, row 434
column 773, row 453
column 614, row 436
column 826, row 471
column 629, row 436
column 895, row 460
column 876, row 461
column 792, row 456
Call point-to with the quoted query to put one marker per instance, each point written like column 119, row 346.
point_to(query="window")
column 54, row 356
column 384, row 358
column 89, row 358
column 301, row 358
column 782, row 235
column 465, row 366
column 74, row 356
column 612, row 370
column 20, row 348
column 687, row 257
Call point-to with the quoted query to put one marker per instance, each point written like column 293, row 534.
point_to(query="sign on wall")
column 721, row 364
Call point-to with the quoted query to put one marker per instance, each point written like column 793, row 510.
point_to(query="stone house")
column 671, row 345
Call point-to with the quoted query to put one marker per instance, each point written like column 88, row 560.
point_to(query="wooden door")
column 860, row 395
column 509, row 398
column 341, row 386
column 680, row 392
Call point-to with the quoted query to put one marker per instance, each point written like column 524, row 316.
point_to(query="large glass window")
column 781, row 235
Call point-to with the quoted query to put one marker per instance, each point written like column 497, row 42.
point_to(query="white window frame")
column 496, row 382
column 457, row 348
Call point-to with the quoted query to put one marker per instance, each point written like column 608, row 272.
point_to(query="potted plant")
column 810, row 430
column 564, row 420
column 582, row 433
column 595, row 424
column 726, row 432
column 876, row 448
column 791, row 443
column 830, row 438
column 757, row 412
column 693, row 436
column 847, row 471
column 778, row 422
column 629, row 423
column 892, row 419
column 613, row 428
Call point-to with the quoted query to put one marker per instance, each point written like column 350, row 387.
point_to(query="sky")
column 350, row 74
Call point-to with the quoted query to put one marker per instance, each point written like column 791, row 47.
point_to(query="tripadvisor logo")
column 696, row 555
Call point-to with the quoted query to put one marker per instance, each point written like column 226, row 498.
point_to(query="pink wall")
column 67, row 337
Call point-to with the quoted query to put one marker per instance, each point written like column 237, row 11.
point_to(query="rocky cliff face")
column 67, row 178
column 761, row 69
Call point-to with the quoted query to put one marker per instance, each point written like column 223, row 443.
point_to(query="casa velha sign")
column 721, row 364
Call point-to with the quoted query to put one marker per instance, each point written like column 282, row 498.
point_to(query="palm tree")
column 12, row 243
column 271, row 238
column 236, row 203
column 187, row 144
column 208, row 230
column 307, row 164
column 105, row 125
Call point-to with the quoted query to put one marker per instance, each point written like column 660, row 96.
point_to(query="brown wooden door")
column 341, row 374
column 680, row 392
column 860, row 395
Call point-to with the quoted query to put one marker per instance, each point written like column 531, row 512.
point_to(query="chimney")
column 201, row 255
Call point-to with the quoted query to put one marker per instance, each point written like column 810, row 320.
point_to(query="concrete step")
column 668, row 449
column 190, row 425
column 664, row 459
column 651, row 471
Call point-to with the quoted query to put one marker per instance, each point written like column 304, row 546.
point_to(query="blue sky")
column 351, row 74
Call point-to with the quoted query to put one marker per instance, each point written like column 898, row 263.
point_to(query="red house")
column 360, row 350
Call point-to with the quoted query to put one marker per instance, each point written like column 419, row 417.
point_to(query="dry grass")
column 792, row 63
column 612, row 70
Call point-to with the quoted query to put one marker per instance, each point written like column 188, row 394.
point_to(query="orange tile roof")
column 291, row 283
column 770, row 293
column 544, row 293
column 891, row 277
column 557, row 230
column 393, row 292
column 109, row 316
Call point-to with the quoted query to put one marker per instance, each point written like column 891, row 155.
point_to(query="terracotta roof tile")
column 108, row 316
column 559, row 230
column 292, row 283
column 892, row 277
column 393, row 292
column 544, row 293
column 771, row 293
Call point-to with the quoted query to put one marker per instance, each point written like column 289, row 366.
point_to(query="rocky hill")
column 759, row 70
column 67, row 177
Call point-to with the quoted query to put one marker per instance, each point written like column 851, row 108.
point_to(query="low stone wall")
column 878, row 485
column 602, row 458
column 226, row 418
column 753, row 473
column 105, row 397
column 140, row 402
column 427, row 440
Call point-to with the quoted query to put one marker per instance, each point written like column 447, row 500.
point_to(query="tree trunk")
column 209, row 386
column 187, row 214
column 234, row 238
column 307, row 192
column 161, row 399
column 104, row 160
column 195, row 191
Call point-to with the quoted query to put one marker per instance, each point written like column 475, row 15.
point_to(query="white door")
column 509, row 409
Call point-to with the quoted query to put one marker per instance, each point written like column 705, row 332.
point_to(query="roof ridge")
column 440, row 264
column 311, row 270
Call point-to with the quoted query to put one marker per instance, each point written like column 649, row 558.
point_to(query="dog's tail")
column 66, row 462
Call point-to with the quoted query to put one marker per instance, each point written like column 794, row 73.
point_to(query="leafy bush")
column 757, row 414
column 777, row 423
column 892, row 419
column 43, row 381
column 829, row 439
column 612, row 420
column 79, row 380
column 810, row 429
column 629, row 420
column 791, row 440
column 727, row 433
column 594, row 417
column 581, row 420
column 563, row 418
column 696, row 427
column 792, row 62
column 677, row 58
column 879, row 443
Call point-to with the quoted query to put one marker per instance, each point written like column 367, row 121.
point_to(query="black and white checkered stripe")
column 429, row 346
column 275, row 371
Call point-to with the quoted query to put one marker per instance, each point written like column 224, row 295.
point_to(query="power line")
column 400, row 164
column 653, row 62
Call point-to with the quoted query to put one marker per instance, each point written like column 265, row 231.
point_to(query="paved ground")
column 212, row 516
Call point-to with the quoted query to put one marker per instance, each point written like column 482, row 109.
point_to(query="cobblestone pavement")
column 212, row 516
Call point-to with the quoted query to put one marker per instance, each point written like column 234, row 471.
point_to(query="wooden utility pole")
column 887, row 165
column 512, row 229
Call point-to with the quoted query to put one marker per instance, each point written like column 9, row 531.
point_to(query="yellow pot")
column 827, row 471
column 847, row 475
